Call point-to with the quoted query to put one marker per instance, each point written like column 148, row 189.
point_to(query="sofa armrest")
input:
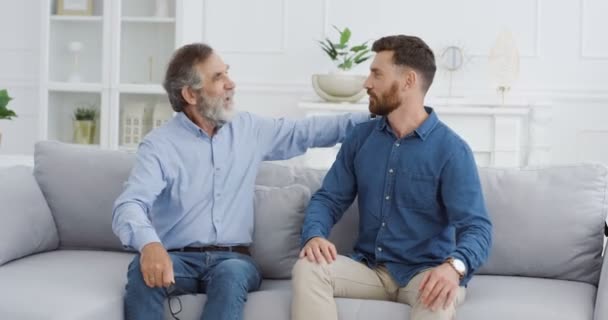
column 601, row 300
column 26, row 222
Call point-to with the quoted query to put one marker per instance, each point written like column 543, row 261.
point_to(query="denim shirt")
column 420, row 199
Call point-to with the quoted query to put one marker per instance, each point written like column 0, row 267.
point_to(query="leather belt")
column 239, row 249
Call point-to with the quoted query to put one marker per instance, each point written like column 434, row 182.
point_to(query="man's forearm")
column 132, row 226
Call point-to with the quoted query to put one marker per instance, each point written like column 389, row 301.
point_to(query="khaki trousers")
column 315, row 286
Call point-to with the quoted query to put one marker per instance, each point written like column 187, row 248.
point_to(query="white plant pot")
column 339, row 86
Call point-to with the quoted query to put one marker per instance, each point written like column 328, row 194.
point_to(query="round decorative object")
column 452, row 58
column 339, row 87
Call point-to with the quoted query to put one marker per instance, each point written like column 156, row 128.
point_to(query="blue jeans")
column 226, row 278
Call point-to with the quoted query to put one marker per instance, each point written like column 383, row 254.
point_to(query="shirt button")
column 383, row 224
column 397, row 144
column 217, row 195
column 380, row 249
column 387, row 198
column 390, row 171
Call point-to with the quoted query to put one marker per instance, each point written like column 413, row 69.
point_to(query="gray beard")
column 212, row 110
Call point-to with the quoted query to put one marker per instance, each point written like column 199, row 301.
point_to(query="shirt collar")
column 422, row 131
column 186, row 123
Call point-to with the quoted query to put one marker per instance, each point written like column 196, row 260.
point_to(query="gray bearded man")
column 188, row 204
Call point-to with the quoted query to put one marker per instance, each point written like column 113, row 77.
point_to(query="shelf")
column 468, row 108
column 127, row 149
column 75, row 87
column 76, row 18
column 148, row 19
column 142, row 88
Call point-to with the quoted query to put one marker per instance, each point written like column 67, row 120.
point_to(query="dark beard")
column 386, row 103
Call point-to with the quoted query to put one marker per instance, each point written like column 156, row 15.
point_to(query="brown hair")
column 412, row 52
column 182, row 72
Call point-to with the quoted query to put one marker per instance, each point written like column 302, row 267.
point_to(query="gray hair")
column 182, row 72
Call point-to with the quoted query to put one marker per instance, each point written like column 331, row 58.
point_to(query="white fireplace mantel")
column 500, row 135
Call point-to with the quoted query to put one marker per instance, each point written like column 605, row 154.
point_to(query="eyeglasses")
column 173, row 292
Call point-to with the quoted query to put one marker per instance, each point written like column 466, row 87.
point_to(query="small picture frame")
column 75, row 7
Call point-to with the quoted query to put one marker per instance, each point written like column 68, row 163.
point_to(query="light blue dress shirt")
column 189, row 189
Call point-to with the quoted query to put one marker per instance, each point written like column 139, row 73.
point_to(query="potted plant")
column 5, row 113
column 84, row 124
column 340, row 85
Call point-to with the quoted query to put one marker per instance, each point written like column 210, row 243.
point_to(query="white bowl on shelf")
column 339, row 87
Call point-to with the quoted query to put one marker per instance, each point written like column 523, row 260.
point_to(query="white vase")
column 339, row 86
column 162, row 8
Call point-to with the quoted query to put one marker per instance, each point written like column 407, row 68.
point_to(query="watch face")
column 459, row 265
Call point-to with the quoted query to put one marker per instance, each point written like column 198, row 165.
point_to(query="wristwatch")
column 458, row 265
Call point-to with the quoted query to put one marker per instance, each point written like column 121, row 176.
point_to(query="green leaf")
column 325, row 47
column 359, row 56
column 331, row 45
column 359, row 47
column 345, row 36
column 362, row 59
column 339, row 31
column 4, row 98
column 339, row 46
column 346, row 65
column 86, row 113
column 7, row 114
column 334, row 52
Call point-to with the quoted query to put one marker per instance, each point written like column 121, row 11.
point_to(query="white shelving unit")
column 503, row 135
column 126, row 45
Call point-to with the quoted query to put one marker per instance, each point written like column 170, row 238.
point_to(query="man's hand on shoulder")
column 319, row 250
column 156, row 266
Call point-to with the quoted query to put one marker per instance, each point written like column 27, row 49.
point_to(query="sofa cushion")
column 64, row 285
column 80, row 185
column 344, row 233
column 279, row 214
column 276, row 305
column 548, row 222
column 26, row 223
column 506, row 298
column 491, row 297
column 488, row 297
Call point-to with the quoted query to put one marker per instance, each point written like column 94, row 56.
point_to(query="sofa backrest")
column 547, row 222
column 26, row 223
column 80, row 184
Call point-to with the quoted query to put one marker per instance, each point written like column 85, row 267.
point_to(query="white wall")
column 19, row 72
column 272, row 51
column 271, row 47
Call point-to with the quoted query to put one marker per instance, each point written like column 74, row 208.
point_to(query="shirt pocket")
column 416, row 191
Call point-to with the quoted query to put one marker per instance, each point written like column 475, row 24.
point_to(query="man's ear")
column 189, row 95
column 411, row 79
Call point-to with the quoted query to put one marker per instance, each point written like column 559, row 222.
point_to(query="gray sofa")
column 60, row 260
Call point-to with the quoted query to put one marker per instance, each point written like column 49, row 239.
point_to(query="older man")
column 188, row 204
